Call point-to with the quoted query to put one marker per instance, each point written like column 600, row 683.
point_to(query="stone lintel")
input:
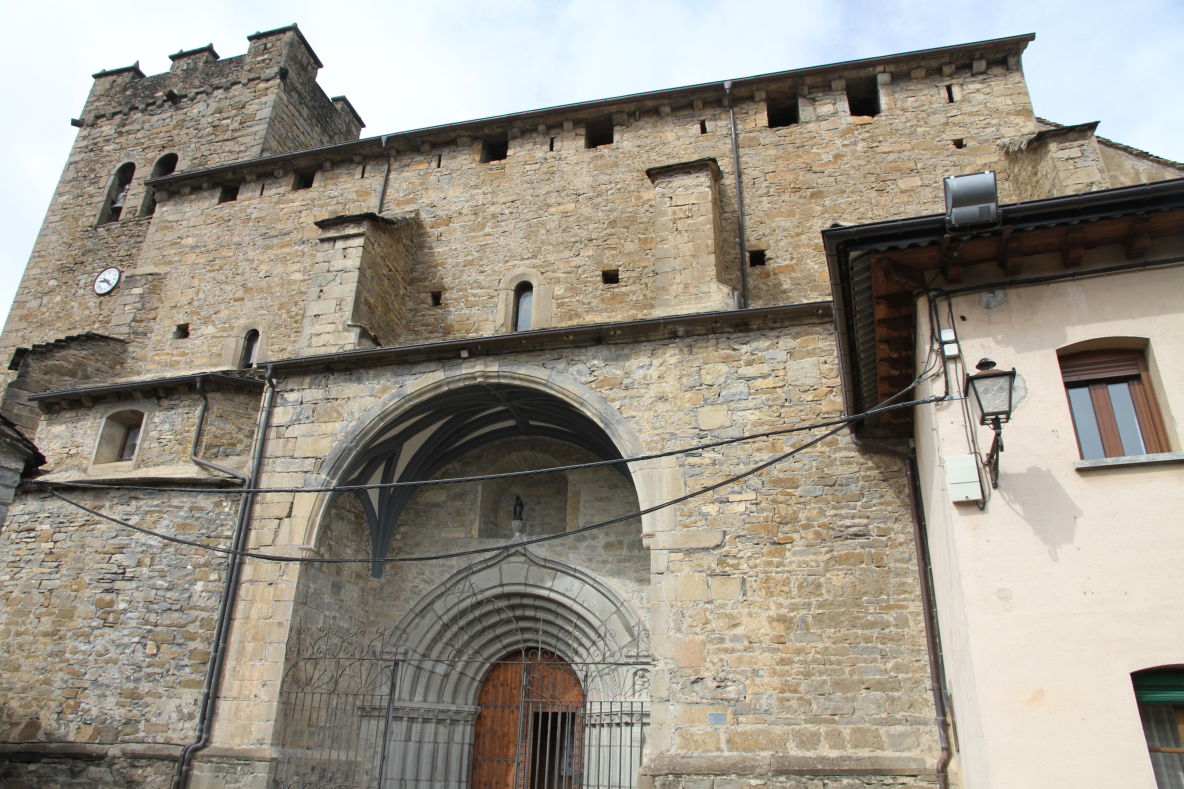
column 708, row 164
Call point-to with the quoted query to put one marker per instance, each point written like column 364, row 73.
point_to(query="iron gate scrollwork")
column 347, row 724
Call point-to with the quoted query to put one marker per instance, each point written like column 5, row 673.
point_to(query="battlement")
column 282, row 55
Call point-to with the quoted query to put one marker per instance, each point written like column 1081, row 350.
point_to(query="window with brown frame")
column 1113, row 406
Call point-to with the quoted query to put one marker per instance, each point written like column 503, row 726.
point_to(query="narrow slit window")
column 495, row 148
column 702, row 127
column 863, row 96
column 756, row 257
column 250, row 349
column 598, row 132
column 781, row 111
column 117, row 189
column 165, row 165
column 228, row 193
column 181, row 331
column 950, row 96
column 551, row 145
column 303, row 179
column 437, row 298
column 523, row 305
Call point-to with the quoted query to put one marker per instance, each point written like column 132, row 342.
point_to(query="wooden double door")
column 530, row 724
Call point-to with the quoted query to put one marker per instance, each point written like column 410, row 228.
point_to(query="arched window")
column 117, row 189
column 1160, row 696
column 120, row 437
column 523, row 303
column 1112, row 402
column 165, row 165
column 250, row 348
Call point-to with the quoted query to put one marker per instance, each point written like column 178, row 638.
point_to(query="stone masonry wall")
column 569, row 212
column 785, row 613
column 207, row 112
column 119, row 624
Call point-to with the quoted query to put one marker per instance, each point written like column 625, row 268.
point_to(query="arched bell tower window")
column 523, row 301
column 523, row 306
column 165, row 165
column 250, row 349
column 116, row 196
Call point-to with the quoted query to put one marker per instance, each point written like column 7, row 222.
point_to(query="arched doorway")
column 530, row 724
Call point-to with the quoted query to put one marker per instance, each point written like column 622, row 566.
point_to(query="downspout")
column 386, row 175
column 741, row 242
column 925, row 571
column 213, row 681
column 197, row 433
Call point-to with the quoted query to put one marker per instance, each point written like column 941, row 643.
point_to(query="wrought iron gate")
column 539, row 722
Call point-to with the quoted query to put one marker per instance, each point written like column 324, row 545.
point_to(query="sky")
column 406, row 64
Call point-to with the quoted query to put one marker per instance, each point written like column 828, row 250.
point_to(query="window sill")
column 1129, row 460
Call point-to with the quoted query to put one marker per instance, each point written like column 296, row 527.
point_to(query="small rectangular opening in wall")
column 702, row 127
column 610, row 276
column 598, row 132
column 863, row 96
column 756, row 257
column 551, row 145
column 781, row 110
column 950, row 97
column 228, row 193
column 437, row 297
column 439, row 160
column 181, row 331
column 495, row 148
column 302, row 179
column 959, row 142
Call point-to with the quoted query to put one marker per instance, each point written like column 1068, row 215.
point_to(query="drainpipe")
column 741, row 242
column 197, row 433
column 386, row 175
column 924, row 570
column 213, row 681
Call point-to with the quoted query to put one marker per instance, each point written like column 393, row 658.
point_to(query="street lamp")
column 991, row 390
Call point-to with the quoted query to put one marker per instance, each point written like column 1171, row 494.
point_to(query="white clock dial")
column 106, row 281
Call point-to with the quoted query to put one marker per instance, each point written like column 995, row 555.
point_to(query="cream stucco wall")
column 1068, row 580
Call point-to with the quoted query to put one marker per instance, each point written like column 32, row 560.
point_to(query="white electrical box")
column 949, row 344
column 963, row 478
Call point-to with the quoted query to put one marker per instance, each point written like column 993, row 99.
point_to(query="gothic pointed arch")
column 427, row 433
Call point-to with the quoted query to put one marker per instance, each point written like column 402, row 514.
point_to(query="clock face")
column 106, row 281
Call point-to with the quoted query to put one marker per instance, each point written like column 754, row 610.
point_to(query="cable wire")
column 494, row 548
column 840, row 421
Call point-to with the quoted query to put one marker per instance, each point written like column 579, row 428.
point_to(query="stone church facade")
column 250, row 333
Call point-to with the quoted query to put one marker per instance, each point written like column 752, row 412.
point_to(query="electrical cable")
column 491, row 549
column 844, row 420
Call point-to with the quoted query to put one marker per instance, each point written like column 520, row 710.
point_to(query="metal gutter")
column 646, row 329
column 247, row 380
column 663, row 95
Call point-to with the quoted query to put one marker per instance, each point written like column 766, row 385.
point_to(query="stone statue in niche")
column 517, row 524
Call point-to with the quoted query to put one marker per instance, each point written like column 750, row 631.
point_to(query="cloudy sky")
column 408, row 64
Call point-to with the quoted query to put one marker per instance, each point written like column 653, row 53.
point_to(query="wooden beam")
column 951, row 264
column 905, row 275
column 1073, row 249
column 1010, row 257
column 1138, row 238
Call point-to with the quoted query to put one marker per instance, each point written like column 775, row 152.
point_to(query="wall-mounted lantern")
column 991, row 389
